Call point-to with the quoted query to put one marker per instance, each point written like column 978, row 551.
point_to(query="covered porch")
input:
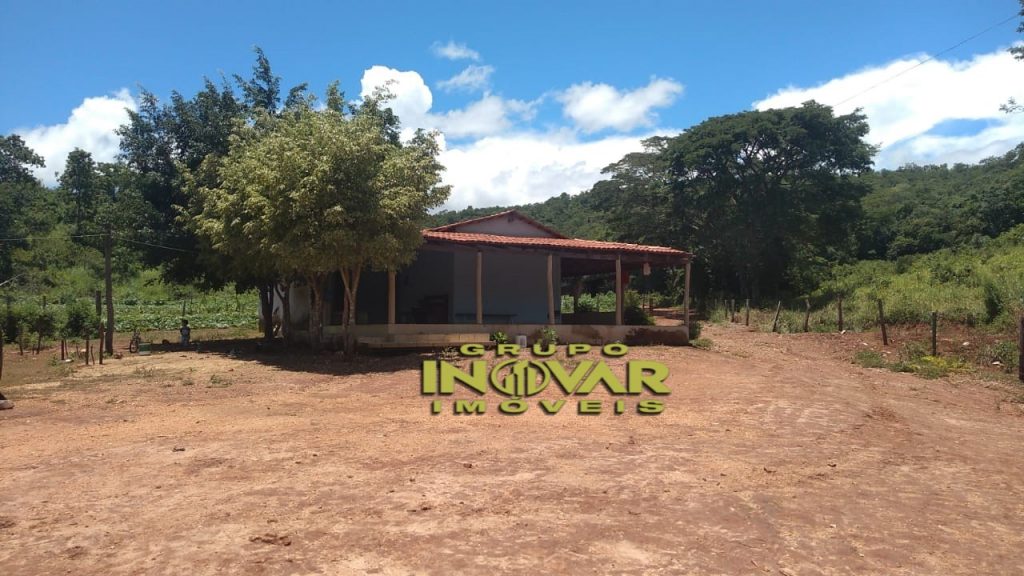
column 463, row 287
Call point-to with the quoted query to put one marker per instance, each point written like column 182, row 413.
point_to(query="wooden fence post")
column 746, row 320
column 881, row 322
column 807, row 315
column 935, row 333
column 1020, row 346
column 1, row 352
column 87, row 343
column 840, row 313
column 101, row 343
column 775, row 323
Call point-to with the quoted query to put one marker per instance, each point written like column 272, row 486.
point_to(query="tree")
column 15, row 159
column 79, row 182
column 766, row 199
column 169, row 144
column 322, row 191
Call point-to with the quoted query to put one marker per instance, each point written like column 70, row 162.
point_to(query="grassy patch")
column 702, row 343
column 913, row 361
column 869, row 359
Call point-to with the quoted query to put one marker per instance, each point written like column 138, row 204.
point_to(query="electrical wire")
column 928, row 59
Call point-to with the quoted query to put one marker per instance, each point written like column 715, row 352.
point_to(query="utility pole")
column 109, row 286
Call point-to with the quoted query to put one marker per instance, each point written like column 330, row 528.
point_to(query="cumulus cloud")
column 412, row 102
column 90, row 127
column 471, row 79
column 455, row 51
column 902, row 111
column 594, row 107
column 528, row 167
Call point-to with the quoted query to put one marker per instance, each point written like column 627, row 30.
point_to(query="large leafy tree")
column 169, row 144
column 16, row 160
column 767, row 199
column 322, row 191
column 18, row 188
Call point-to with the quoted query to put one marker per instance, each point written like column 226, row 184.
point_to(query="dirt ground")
column 775, row 455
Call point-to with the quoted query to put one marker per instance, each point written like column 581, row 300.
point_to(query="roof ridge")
column 513, row 211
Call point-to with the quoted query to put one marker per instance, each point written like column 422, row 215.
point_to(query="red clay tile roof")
column 513, row 212
column 551, row 243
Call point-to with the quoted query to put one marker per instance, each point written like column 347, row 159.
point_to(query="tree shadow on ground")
column 299, row 358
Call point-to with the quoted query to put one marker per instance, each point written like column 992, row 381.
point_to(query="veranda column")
column 686, row 300
column 479, row 287
column 551, row 290
column 391, row 296
column 618, row 289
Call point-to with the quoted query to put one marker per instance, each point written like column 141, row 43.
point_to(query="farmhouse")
column 503, row 272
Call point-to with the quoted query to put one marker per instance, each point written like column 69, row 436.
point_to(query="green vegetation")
column 702, row 343
column 913, row 359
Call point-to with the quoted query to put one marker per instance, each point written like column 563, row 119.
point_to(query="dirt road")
column 775, row 455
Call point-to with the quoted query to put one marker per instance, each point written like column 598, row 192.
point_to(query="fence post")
column 1020, row 346
column 935, row 333
column 807, row 315
column 101, row 343
column 840, row 313
column 746, row 320
column 881, row 322
column 1, row 352
column 775, row 322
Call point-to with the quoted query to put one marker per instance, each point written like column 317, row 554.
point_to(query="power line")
column 928, row 59
column 51, row 237
column 70, row 236
column 160, row 246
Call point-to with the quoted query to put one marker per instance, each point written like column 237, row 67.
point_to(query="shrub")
column 702, row 343
column 548, row 335
column 499, row 337
column 80, row 321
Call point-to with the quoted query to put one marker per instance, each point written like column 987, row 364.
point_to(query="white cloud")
column 90, row 127
column 413, row 100
column 528, row 167
column 455, row 51
column 594, row 107
column 903, row 110
column 472, row 78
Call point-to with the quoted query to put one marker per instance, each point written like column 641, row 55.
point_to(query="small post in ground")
column 775, row 322
column 935, row 333
column 746, row 319
column 101, row 343
column 840, row 313
column 1020, row 346
column 807, row 315
column 881, row 322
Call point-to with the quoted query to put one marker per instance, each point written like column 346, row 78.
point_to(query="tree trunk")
column 316, row 311
column 284, row 293
column 350, row 278
column 108, row 286
column 267, row 310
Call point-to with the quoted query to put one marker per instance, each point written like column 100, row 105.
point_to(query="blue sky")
column 533, row 98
